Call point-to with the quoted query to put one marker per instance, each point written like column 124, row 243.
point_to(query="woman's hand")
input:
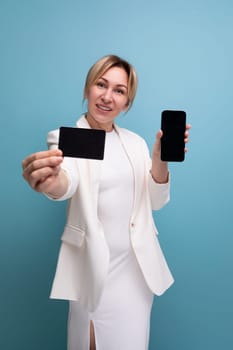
column 43, row 172
column 186, row 135
column 159, row 169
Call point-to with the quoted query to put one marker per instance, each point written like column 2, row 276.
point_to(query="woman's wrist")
column 159, row 171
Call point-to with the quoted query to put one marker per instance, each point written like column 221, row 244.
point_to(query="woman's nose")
column 107, row 95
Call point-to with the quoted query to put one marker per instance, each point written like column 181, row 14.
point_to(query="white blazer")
column 84, row 255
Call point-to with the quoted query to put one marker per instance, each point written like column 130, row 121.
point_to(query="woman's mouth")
column 104, row 108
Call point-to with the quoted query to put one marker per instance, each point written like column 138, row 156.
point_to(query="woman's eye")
column 100, row 84
column 120, row 91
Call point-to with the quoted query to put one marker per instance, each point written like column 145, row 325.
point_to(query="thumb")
column 157, row 145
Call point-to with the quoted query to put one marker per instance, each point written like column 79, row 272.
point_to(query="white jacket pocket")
column 73, row 235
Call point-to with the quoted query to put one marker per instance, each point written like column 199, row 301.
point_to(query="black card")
column 82, row 143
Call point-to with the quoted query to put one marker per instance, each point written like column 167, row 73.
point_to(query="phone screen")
column 173, row 124
column 82, row 143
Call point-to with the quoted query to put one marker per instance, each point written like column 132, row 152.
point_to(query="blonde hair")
column 103, row 65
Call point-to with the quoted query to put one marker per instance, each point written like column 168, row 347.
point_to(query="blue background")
column 183, row 54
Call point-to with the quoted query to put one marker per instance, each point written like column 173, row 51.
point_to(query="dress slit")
column 92, row 343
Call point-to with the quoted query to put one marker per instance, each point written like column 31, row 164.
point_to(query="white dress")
column 122, row 318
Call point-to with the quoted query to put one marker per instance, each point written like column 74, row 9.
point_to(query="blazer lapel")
column 132, row 150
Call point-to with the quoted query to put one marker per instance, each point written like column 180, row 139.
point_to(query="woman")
column 110, row 263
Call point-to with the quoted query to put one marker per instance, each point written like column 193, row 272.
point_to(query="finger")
column 186, row 136
column 158, row 139
column 40, row 169
column 157, row 144
column 42, row 163
column 40, row 155
column 44, row 185
column 159, row 134
column 41, row 175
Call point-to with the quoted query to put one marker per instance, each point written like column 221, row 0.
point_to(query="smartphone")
column 82, row 143
column 173, row 125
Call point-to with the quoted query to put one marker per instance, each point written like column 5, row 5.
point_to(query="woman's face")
column 107, row 98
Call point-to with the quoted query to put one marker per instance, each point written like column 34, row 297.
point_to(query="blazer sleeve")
column 159, row 193
column 69, row 165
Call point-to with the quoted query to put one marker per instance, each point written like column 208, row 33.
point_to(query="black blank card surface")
column 82, row 143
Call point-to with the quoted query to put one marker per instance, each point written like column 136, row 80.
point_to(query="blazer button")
column 132, row 224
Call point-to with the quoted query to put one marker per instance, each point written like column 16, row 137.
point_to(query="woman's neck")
column 96, row 125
